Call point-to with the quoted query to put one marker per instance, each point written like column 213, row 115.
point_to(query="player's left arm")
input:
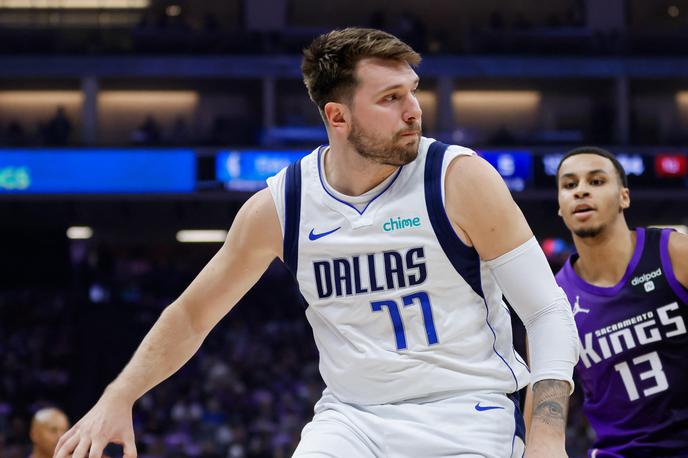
column 486, row 217
column 678, row 252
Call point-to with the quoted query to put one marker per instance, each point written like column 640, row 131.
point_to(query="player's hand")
column 108, row 421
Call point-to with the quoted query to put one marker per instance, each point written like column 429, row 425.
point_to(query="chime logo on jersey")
column 370, row 273
column 398, row 223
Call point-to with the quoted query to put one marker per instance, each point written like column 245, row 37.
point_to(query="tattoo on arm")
column 551, row 403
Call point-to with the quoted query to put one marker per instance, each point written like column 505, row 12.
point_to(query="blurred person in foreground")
column 47, row 426
column 402, row 247
column 628, row 290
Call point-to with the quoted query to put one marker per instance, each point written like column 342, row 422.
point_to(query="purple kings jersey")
column 633, row 364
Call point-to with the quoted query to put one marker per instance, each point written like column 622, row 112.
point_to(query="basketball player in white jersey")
column 402, row 248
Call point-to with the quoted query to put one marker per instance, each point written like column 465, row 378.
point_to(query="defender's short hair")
column 620, row 172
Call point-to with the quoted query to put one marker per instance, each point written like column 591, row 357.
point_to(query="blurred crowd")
column 169, row 30
column 59, row 130
column 247, row 393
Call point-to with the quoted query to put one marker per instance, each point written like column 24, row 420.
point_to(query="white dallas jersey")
column 400, row 308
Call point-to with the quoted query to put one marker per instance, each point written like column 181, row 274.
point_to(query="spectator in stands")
column 58, row 128
column 15, row 135
column 46, row 428
column 179, row 134
column 147, row 133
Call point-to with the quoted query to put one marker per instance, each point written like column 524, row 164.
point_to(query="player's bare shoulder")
column 257, row 226
column 469, row 167
column 678, row 252
column 472, row 183
column 480, row 206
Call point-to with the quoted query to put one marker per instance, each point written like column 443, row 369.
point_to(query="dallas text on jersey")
column 359, row 274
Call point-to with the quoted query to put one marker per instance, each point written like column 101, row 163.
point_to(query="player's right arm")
column 485, row 216
column 678, row 254
column 253, row 242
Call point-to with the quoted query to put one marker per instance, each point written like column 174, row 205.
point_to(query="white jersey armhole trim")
column 276, row 187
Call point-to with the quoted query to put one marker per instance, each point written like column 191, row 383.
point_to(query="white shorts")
column 480, row 425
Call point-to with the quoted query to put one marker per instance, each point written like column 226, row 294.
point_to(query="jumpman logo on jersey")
column 577, row 308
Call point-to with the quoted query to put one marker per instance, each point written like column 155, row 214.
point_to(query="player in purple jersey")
column 630, row 303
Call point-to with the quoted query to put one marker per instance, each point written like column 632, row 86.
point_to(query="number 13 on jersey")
column 421, row 298
column 656, row 372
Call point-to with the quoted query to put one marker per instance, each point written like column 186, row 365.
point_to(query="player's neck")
column 350, row 173
column 603, row 259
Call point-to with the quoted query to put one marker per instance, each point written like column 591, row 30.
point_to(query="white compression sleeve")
column 527, row 282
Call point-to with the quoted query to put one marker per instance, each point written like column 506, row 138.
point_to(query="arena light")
column 176, row 101
column 485, row 111
column 125, row 97
column 74, row 4
column 173, row 10
column 496, row 99
column 682, row 97
column 201, row 236
column 30, row 99
column 79, row 233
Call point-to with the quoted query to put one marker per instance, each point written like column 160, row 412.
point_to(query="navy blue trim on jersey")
column 292, row 216
column 465, row 259
column 360, row 212
column 517, row 357
column 494, row 343
column 520, row 425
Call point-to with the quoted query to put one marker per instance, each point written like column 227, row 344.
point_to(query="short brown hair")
column 330, row 60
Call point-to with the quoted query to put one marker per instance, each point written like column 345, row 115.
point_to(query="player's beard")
column 397, row 151
column 589, row 232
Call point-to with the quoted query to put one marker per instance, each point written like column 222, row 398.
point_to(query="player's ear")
column 336, row 115
column 625, row 198
column 559, row 212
